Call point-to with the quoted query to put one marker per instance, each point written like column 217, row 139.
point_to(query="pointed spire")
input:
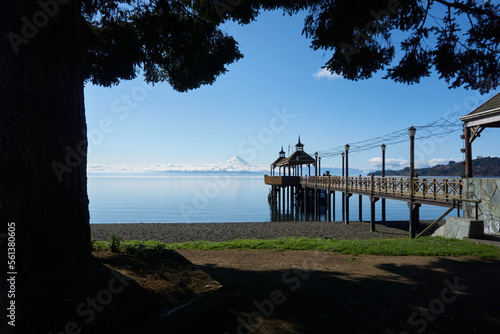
column 282, row 153
column 299, row 146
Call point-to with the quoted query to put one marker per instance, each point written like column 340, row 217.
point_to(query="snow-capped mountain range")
column 235, row 164
column 238, row 164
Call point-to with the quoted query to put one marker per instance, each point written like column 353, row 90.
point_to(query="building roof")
column 303, row 159
column 280, row 158
column 299, row 157
column 299, row 144
column 277, row 161
column 487, row 114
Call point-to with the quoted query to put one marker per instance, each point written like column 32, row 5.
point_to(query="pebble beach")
column 182, row 232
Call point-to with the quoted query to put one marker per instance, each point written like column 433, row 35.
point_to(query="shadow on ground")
column 396, row 295
column 113, row 293
column 446, row 296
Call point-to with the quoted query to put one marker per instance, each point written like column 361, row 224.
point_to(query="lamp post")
column 383, row 181
column 315, row 187
column 316, row 164
column 411, row 132
column 319, row 166
column 347, row 184
column 343, row 193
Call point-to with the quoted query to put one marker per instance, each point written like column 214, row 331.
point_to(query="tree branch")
column 466, row 9
column 426, row 14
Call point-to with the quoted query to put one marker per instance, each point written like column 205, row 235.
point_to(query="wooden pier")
column 434, row 191
column 296, row 197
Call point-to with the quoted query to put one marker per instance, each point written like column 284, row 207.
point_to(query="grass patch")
column 426, row 246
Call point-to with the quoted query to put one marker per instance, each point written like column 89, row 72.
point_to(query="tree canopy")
column 181, row 41
column 170, row 41
column 459, row 39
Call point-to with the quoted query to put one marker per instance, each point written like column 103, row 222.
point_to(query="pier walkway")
column 434, row 191
column 302, row 191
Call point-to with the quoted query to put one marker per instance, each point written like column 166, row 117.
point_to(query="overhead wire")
column 439, row 128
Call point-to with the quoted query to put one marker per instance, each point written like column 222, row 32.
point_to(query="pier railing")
column 282, row 180
column 442, row 189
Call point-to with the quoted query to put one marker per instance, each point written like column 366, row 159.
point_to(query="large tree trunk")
column 43, row 182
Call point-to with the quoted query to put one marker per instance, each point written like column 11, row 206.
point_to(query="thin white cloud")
column 324, row 73
column 395, row 164
column 434, row 162
column 234, row 164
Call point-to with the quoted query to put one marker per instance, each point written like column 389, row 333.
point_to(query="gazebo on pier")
column 277, row 161
column 294, row 162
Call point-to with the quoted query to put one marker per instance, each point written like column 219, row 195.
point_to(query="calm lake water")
column 204, row 198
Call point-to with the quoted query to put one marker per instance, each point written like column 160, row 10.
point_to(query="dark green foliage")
column 113, row 52
column 425, row 246
column 115, row 243
column 458, row 38
column 180, row 41
column 482, row 167
column 174, row 41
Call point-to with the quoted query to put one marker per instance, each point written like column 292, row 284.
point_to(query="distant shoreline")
column 161, row 173
column 483, row 167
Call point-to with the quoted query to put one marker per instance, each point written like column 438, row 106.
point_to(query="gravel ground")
column 169, row 233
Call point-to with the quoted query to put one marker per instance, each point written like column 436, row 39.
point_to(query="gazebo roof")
column 303, row 159
column 280, row 158
column 486, row 115
column 299, row 157
column 299, row 144
column 277, row 161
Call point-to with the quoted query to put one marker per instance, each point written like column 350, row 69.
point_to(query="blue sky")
column 266, row 100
